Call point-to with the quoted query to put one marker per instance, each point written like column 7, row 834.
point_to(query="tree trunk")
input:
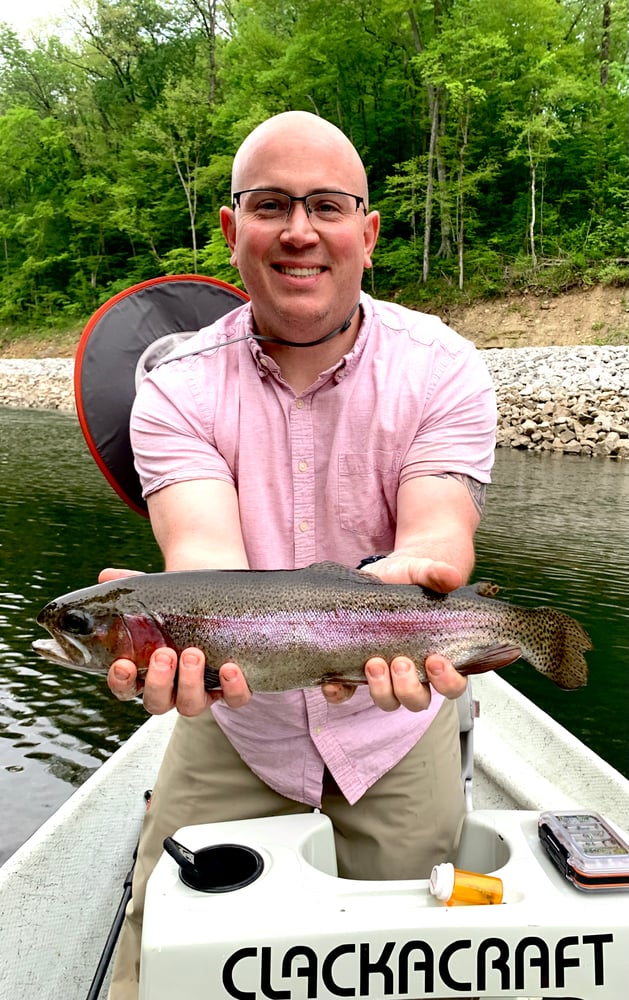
column 607, row 17
column 433, row 97
column 460, row 196
column 189, row 184
column 445, row 247
column 533, row 196
column 207, row 11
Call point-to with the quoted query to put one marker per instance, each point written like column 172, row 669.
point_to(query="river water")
column 555, row 532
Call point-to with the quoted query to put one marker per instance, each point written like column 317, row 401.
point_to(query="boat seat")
column 467, row 709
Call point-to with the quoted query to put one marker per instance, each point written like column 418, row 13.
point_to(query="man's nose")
column 298, row 224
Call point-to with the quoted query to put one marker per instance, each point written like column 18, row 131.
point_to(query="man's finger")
column 191, row 699
column 234, row 687
column 122, row 680
column 407, row 687
column 159, row 684
column 336, row 693
column 380, row 684
column 110, row 573
column 439, row 576
column 443, row 676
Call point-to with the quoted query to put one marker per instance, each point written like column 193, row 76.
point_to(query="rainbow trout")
column 300, row 628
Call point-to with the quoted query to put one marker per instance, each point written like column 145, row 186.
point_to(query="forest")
column 494, row 132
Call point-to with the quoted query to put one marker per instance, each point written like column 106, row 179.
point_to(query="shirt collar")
column 266, row 365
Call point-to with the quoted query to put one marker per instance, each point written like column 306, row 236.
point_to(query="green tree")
column 494, row 135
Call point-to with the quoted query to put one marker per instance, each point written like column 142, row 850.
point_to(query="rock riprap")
column 573, row 400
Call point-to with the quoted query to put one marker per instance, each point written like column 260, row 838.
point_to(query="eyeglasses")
column 323, row 208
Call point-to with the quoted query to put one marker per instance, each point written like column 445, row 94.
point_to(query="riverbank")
column 572, row 400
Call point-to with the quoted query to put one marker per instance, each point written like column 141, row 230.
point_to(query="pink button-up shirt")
column 317, row 476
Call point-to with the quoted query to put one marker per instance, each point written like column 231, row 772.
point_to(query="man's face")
column 303, row 279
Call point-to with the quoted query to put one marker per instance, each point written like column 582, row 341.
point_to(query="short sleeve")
column 457, row 431
column 172, row 435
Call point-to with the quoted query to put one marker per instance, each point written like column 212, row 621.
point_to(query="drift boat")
column 298, row 931
column 276, row 922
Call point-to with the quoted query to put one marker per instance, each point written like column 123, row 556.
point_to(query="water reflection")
column 60, row 523
column 554, row 532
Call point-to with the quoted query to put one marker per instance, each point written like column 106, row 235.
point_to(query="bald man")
column 312, row 423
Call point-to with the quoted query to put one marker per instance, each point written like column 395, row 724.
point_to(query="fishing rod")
column 114, row 932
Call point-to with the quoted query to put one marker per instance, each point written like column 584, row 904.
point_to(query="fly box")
column 585, row 849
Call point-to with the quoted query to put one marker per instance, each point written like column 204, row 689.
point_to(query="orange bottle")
column 453, row 886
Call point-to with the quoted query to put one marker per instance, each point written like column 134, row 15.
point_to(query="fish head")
column 90, row 629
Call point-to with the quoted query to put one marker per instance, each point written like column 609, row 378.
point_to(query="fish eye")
column 77, row 623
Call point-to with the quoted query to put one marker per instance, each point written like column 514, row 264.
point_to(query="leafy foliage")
column 495, row 138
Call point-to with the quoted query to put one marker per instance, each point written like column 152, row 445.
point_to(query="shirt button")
column 303, row 526
column 299, row 403
column 302, row 466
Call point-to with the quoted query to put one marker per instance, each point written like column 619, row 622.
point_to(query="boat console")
column 255, row 910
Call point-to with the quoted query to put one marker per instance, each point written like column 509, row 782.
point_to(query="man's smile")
column 299, row 272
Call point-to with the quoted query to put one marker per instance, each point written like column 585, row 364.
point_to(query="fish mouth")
column 68, row 653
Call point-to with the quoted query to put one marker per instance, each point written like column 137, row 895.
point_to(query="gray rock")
column 569, row 399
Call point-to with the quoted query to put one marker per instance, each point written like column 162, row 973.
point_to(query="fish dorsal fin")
column 333, row 572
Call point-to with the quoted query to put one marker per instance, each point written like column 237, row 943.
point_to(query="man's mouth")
column 298, row 272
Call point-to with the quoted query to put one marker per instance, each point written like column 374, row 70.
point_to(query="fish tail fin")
column 557, row 648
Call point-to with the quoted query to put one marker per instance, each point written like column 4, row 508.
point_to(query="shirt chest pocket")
column 367, row 491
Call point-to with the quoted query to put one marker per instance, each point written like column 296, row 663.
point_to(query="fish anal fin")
column 489, row 658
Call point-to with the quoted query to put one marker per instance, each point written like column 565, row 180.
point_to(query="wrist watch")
column 368, row 560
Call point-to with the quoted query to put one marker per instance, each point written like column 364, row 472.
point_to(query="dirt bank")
column 596, row 315
column 591, row 316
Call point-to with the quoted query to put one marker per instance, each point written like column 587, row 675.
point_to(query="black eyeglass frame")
column 292, row 198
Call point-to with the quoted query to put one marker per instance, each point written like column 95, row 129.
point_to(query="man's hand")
column 169, row 683
column 439, row 576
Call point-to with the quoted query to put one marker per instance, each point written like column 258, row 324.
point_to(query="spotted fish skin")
column 292, row 629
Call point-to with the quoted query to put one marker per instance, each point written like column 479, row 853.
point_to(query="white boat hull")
column 296, row 923
column 60, row 890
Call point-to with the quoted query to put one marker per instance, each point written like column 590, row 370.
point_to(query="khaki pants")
column 403, row 825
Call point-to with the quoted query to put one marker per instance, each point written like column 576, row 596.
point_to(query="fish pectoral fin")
column 489, row 658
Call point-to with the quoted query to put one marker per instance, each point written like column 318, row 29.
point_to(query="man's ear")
column 228, row 225
column 370, row 236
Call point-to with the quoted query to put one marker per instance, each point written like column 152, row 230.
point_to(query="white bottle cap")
column 442, row 881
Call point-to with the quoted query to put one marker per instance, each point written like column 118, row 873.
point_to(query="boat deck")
column 59, row 892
